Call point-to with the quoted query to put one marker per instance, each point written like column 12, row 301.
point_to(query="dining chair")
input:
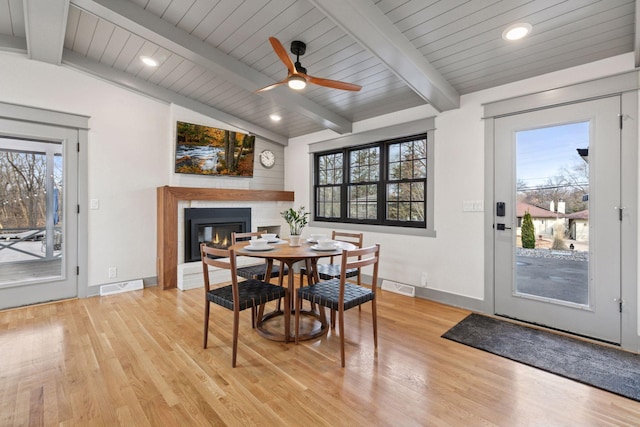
column 260, row 270
column 332, row 270
column 340, row 295
column 237, row 296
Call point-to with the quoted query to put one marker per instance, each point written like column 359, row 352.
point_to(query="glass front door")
column 557, row 224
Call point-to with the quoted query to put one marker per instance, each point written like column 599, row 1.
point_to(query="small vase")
column 294, row 240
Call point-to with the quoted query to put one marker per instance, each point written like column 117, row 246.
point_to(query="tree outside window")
column 23, row 189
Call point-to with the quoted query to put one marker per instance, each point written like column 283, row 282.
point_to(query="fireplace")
column 212, row 226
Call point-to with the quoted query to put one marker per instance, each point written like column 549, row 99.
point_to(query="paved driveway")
column 566, row 280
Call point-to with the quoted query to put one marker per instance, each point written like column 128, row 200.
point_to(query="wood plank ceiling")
column 404, row 53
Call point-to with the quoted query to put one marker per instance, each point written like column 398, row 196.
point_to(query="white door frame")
column 31, row 115
column 627, row 86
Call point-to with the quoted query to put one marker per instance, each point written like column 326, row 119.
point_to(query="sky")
column 543, row 152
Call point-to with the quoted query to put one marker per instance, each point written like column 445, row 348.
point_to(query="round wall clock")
column 267, row 159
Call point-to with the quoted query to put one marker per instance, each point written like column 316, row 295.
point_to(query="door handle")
column 501, row 226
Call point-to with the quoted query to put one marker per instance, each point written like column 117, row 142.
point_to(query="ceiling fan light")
column 297, row 82
column 517, row 31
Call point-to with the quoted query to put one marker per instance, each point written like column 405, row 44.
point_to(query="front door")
column 38, row 213
column 557, row 218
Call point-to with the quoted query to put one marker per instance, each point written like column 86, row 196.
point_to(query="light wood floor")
column 135, row 359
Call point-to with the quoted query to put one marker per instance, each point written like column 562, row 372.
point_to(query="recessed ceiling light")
column 516, row 31
column 149, row 61
column 275, row 117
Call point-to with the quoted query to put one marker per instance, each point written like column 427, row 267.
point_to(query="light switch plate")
column 472, row 206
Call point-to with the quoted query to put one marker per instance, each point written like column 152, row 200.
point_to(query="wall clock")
column 267, row 159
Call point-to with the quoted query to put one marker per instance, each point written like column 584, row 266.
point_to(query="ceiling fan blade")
column 266, row 88
column 335, row 84
column 282, row 54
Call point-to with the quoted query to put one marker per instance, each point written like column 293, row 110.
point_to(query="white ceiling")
column 404, row 53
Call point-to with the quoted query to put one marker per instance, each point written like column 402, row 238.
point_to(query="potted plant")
column 296, row 220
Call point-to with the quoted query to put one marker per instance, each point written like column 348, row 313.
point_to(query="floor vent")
column 399, row 288
column 118, row 288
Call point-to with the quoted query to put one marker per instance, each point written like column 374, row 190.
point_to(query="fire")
column 221, row 244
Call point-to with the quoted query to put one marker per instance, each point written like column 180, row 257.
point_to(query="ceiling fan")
column 298, row 77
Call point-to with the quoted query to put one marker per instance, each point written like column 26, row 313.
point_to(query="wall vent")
column 118, row 288
column 399, row 288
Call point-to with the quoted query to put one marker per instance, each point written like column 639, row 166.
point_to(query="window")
column 386, row 183
column 329, row 204
column 364, row 177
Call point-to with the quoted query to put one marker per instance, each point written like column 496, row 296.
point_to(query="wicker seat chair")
column 237, row 296
column 340, row 295
column 259, row 271
column 332, row 270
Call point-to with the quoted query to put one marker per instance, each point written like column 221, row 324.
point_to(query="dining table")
column 308, row 252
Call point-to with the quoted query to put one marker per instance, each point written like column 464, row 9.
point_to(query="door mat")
column 607, row 368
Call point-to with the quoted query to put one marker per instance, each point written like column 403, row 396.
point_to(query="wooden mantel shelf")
column 167, row 208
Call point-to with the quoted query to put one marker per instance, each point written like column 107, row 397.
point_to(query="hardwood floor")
column 136, row 359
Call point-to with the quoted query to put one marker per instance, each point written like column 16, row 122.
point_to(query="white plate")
column 317, row 248
column 257, row 249
column 276, row 241
column 310, row 240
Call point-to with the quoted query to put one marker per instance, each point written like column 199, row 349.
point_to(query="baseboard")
column 454, row 300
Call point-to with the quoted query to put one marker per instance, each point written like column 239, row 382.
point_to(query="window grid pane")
column 408, row 160
column 364, row 165
column 328, row 202
column 363, row 202
column 330, row 169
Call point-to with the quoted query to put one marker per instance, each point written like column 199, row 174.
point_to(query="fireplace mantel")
column 167, row 208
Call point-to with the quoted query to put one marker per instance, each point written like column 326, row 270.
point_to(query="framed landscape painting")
column 204, row 150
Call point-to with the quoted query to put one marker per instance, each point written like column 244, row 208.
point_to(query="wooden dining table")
column 288, row 255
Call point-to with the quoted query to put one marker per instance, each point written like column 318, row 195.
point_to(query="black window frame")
column 382, row 183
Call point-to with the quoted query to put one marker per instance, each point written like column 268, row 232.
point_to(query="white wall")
column 131, row 152
column 454, row 259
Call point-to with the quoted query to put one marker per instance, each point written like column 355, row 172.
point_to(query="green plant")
column 296, row 219
column 528, row 232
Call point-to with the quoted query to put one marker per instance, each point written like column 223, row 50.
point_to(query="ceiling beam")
column 133, row 18
column 45, row 24
column 365, row 23
column 128, row 81
column 636, row 38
